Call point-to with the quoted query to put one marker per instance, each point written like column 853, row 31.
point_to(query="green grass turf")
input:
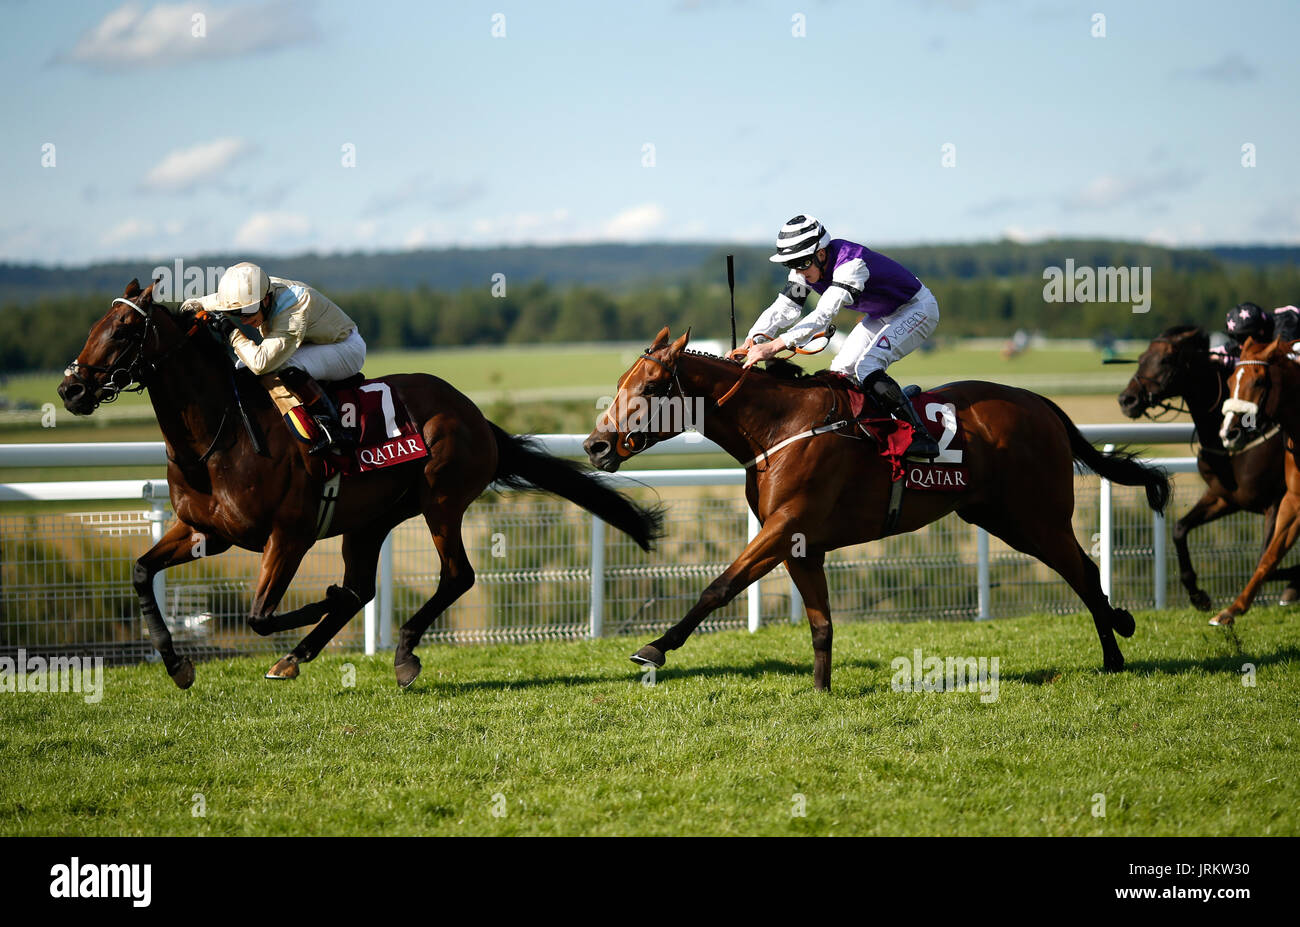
column 574, row 743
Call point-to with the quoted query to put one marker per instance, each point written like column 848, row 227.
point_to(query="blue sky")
column 167, row 144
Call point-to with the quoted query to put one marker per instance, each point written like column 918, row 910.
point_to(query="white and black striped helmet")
column 799, row 238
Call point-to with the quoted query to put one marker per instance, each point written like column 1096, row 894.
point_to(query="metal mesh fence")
column 65, row 578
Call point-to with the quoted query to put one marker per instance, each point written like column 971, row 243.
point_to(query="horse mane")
column 782, row 369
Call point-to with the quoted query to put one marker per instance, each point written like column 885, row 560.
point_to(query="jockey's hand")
column 221, row 323
column 738, row 354
column 765, row 351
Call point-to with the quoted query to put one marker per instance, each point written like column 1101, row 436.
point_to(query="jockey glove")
column 222, row 324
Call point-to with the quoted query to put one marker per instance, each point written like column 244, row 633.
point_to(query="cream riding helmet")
column 242, row 289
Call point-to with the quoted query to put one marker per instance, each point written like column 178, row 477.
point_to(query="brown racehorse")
column 1177, row 364
column 1264, row 389
column 224, row 493
column 830, row 491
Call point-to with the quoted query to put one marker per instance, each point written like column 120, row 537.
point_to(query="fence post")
column 157, row 515
column 755, row 600
column 1107, row 550
column 371, row 625
column 1160, row 557
column 796, row 603
column 386, row 593
column 985, row 585
column 597, row 616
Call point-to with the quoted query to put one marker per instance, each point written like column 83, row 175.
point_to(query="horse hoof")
column 649, row 655
column 1223, row 619
column 184, row 674
column 285, row 668
column 1114, row 664
column 1290, row 595
column 1122, row 623
column 408, row 672
column 1201, row 601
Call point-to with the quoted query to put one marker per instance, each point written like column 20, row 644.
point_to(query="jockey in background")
column 305, row 338
column 1247, row 320
column 898, row 314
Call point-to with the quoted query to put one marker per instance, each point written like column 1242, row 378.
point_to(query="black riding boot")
column 888, row 396
column 320, row 407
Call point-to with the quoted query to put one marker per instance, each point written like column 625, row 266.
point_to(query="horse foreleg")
column 1285, row 531
column 769, row 547
column 341, row 603
column 180, row 544
column 280, row 560
column 809, row 575
column 1207, row 509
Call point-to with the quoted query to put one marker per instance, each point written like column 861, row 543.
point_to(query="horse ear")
column 132, row 289
column 147, row 295
column 680, row 343
column 661, row 339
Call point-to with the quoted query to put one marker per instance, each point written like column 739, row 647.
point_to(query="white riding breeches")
column 330, row 361
column 874, row 344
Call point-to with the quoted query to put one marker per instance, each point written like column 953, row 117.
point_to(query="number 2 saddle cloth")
column 947, row 472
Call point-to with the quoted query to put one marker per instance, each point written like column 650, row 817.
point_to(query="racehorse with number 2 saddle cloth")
column 816, row 486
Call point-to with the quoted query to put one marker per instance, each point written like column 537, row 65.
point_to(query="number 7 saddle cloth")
column 374, row 412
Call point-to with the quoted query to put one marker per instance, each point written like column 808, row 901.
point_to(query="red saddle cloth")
column 947, row 472
column 387, row 436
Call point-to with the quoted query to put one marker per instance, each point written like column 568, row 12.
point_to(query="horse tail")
column 522, row 464
column 1119, row 466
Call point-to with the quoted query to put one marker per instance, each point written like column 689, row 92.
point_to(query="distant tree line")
column 985, row 290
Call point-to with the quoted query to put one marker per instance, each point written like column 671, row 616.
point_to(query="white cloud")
column 1021, row 235
column 1109, row 190
column 635, row 222
column 185, row 168
column 273, row 231
column 131, row 36
column 129, row 230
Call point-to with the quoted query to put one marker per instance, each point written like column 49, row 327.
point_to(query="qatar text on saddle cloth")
column 387, row 435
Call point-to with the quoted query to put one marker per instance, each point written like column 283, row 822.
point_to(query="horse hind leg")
column 341, row 603
column 454, row 580
column 1052, row 541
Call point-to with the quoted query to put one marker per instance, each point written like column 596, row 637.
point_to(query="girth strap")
column 810, row 433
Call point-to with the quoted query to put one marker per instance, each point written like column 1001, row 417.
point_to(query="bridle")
column 1167, row 406
column 1250, row 412
column 120, row 377
column 634, row 442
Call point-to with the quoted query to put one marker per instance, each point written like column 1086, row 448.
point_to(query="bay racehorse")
column 1177, row 365
column 1265, row 391
column 225, row 493
column 826, row 490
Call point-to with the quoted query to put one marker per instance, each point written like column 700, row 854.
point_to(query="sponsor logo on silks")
column 103, row 880
column 884, row 343
column 390, row 453
column 951, row 479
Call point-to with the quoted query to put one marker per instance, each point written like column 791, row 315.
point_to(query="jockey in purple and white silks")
column 898, row 314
